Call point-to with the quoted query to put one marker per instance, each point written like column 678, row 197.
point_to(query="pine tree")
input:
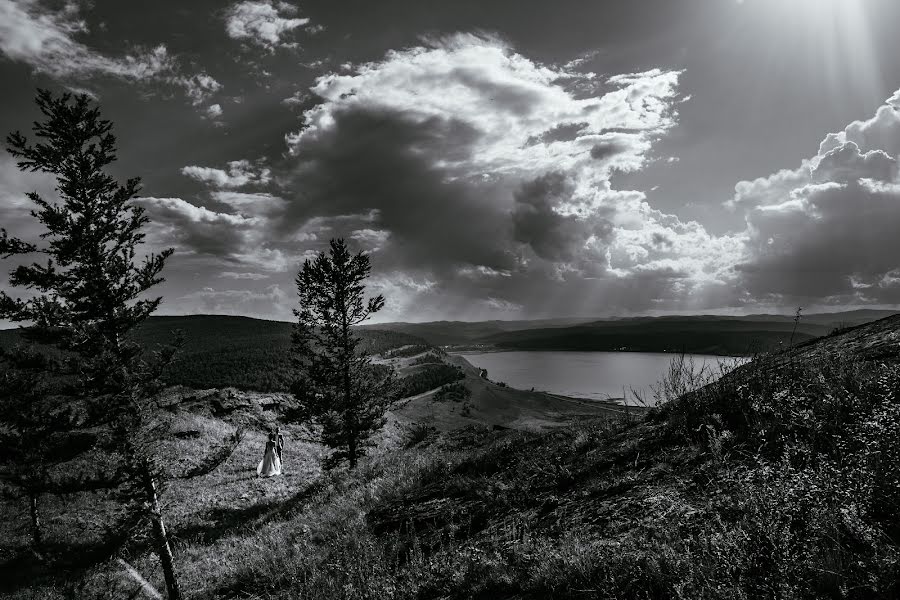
column 337, row 385
column 79, row 369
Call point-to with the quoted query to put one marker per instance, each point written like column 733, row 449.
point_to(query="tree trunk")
column 349, row 409
column 162, row 540
column 35, row 520
column 351, row 444
column 349, row 420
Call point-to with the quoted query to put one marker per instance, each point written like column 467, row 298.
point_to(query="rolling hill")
column 228, row 351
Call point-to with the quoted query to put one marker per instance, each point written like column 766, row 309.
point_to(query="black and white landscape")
column 344, row 299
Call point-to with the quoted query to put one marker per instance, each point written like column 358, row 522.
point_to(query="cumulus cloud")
column 492, row 175
column 239, row 173
column 214, row 111
column 265, row 23
column 233, row 238
column 826, row 232
column 46, row 41
column 199, row 88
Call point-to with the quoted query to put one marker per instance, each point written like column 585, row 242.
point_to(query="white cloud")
column 263, row 22
column 199, row 88
column 46, row 41
column 214, row 111
column 371, row 239
column 239, row 174
column 297, row 99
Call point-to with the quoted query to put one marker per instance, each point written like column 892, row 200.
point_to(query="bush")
column 427, row 378
column 427, row 359
column 456, row 392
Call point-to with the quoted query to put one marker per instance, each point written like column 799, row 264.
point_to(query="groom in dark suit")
column 279, row 443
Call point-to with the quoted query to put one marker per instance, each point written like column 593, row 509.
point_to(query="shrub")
column 457, row 392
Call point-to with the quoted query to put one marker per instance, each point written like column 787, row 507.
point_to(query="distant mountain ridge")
column 712, row 334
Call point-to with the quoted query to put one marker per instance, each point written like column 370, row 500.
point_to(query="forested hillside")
column 702, row 334
column 240, row 352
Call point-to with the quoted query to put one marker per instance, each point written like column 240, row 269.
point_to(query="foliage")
column 243, row 353
column 228, row 351
column 429, row 358
column 427, row 378
column 337, row 385
column 456, row 392
column 85, row 301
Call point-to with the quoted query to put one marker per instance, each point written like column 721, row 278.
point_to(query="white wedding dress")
column 270, row 464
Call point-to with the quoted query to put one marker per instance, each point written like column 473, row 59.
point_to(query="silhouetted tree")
column 79, row 369
column 337, row 385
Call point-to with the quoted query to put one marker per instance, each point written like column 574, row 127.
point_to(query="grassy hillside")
column 778, row 481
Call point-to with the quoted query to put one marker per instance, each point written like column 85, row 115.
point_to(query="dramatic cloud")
column 482, row 163
column 264, row 23
column 826, row 232
column 46, row 41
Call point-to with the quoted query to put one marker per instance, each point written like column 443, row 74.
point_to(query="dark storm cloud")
column 379, row 159
column 551, row 235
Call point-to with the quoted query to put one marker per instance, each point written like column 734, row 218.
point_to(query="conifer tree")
column 79, row 369
column 337, row 385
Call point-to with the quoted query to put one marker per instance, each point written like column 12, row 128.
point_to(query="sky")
column 496, row 160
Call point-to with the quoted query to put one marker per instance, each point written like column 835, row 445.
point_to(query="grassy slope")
column 780, row 481
column 500, row 406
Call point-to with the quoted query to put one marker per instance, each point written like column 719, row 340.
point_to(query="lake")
column 595, row 375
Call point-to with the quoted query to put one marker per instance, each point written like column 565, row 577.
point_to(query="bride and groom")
column 270, row 464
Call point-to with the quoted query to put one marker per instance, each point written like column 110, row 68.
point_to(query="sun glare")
column 827, row 38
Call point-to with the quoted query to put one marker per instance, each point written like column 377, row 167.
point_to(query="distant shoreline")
column 495, row 350
column 619, row 402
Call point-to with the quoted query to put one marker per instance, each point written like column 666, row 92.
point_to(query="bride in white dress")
column 270, row 464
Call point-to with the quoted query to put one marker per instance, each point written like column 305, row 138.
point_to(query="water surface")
column 595, row 375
